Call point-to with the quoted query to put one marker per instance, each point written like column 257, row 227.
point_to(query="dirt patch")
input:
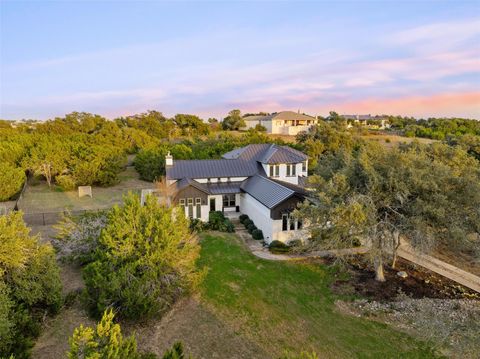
column 53, row 342
column 202, row 332
column 466, row 260
column 420, row 283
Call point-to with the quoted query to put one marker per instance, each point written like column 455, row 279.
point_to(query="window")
column 274, row 170
column 299, row 224
column 182, row 202
column 198, row 200
column 292, row 224
column 229, row 200
column 190, row 201
column 284, row 222
column 304, row 166
column 291, row 170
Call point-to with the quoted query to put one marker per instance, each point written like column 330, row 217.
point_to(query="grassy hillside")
column 289, row 306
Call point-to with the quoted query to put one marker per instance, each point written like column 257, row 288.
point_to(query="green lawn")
column 288, row 306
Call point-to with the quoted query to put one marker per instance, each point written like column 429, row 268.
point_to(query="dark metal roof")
column 224, row 188
column 211, row 168
column 185, row 182
column 266, row 191
column 267, row 153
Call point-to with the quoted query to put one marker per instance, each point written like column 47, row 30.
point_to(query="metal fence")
column 49, row 218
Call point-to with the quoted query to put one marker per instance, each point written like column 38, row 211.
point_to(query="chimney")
column 169, row 159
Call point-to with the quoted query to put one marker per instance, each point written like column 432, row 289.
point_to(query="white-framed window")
column 304, row 166
column 274, row 170
column 229, row 200
column 181, row 202
column 289, row 223
column 190, row 201
column 198, row 200
column 291, row 170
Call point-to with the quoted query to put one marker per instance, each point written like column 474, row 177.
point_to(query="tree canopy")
column 372, row 195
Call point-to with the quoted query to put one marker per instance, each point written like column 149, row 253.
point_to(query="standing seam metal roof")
column 266, row 191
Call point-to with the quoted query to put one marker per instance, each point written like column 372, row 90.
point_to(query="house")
column 260, row 180
column 284, row 123
column 374, row 122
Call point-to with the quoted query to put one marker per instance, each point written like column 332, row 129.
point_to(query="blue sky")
column 119, row 58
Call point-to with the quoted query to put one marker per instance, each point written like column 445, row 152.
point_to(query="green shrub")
column 278, row 247
column 197, row 225
column 66, row 182
column 30, row 286
column 251, row 227
column 216, row 220
column 11, row 181
column 228, row 226
column 247, row 222
column 136, row 268
column 257, row 234
column 242, row 218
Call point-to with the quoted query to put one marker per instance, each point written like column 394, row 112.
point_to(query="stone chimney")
column 168, row 159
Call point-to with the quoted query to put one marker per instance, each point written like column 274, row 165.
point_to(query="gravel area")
column 452, row 325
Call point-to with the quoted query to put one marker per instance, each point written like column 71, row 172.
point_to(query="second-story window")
column 291, row 170
column 274, row 170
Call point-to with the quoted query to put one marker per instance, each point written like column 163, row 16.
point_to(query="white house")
column 263, row 181
column 374, row 122
column 285, row 122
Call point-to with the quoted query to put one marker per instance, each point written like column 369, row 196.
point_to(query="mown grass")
column 288, row 306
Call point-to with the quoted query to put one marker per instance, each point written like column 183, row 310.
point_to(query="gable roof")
column 267, row 153
column 266, row 191
column 210, row 168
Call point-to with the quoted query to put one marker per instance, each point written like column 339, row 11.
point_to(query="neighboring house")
column 370, row 121
column 284, row 123
column 260, row 180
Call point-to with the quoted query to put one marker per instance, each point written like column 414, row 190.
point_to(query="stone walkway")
column 458, row 275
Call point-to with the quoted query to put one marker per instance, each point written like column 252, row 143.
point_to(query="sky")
column 118, row 58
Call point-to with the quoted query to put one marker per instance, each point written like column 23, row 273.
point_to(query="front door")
column 212, row 204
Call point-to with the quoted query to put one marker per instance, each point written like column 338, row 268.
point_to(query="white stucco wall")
column 287, row 236
column 258, row 213
column 283, row 173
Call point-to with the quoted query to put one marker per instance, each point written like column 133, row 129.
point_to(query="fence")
column 48, row 218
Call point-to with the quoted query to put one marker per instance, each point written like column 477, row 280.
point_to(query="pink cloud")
column 464, row 104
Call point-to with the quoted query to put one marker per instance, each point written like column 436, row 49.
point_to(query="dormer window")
column 291, row 170
column 274, row 170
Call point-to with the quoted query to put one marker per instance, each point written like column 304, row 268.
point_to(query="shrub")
column 278, row 247
column 247, row 222
column 251, row 227
column 257, row 234
column 66, row 182
column 197, row 225
column 104, row 341
column 242, row 218
column 136, row 268
column 11, row 181
column 30, row 286
column 387, row 140
column 228, row 226
column 218, row 222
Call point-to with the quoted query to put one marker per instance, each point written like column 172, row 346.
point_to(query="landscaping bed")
column 420, row 283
